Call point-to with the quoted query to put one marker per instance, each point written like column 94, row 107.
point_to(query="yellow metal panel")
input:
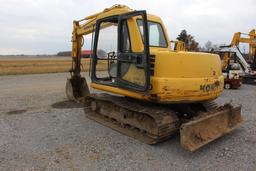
column 135, row 75
column 119, row 91
column 186, row 64
column 173, row 90
column 135, row 37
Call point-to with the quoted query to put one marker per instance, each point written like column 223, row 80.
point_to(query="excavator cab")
column 126, row 69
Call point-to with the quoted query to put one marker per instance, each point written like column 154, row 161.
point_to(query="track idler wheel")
column 76, row 88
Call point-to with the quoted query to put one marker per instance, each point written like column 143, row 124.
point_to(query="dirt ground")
column 41, row 130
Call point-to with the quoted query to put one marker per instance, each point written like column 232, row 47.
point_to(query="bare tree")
column 208, row 46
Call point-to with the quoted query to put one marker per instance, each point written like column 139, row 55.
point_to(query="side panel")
column 186, row 77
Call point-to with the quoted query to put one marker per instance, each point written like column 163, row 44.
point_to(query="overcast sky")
column 45, row 26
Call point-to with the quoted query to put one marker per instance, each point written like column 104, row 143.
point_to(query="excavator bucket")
column 76, row 88
column 200, row 131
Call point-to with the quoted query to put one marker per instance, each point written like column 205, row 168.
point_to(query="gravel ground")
column 40, row 130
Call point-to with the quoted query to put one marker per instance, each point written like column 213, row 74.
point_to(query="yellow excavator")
column 152, row 92
column 251, row 41
column 247, row 66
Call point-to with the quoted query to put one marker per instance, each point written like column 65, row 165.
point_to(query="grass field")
column 36, row 65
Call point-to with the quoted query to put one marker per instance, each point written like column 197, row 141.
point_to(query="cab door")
column 133, row 68
column 126, row 69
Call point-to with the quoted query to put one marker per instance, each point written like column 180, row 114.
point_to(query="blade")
column 199, row 132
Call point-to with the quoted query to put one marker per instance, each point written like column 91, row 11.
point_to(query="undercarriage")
column 152, row 123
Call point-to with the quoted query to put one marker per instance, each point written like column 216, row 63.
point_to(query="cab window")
column 156, row 33
column 125, row 39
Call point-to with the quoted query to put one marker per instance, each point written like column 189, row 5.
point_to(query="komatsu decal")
column 210, row 87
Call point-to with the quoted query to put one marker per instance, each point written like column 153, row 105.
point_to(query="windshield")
column 156, row 34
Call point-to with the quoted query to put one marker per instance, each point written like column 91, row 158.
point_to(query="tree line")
column 192, row 45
